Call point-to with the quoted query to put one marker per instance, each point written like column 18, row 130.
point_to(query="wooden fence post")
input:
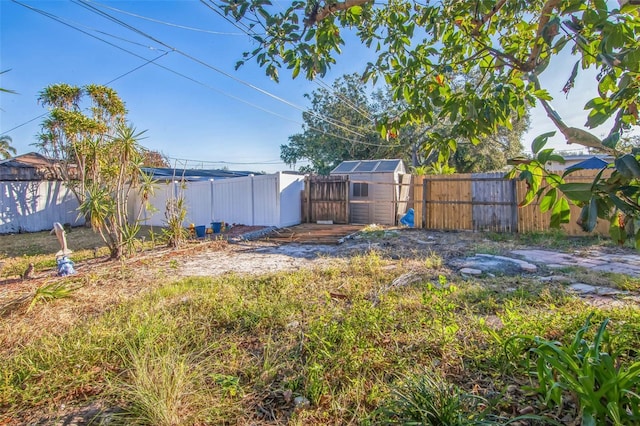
column 424, row 202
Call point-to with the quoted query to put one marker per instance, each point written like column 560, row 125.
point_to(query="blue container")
column 407, row 219
column 216, row 226
column 200, row 231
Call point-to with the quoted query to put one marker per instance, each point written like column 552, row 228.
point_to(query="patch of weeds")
column 600, row 278
column 558, row 239
column 433, row 261
column 499, row 237
column 374, row 232
column 625, row 282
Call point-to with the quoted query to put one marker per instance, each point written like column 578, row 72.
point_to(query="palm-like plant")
column 6, row 150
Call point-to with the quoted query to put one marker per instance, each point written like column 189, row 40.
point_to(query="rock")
column 300, row 402
column 526, row 410
column 582, row 288
column 607, row 291
column 470, row 271
column 555, row 279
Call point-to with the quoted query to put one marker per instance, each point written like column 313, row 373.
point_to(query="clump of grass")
column 558, row 239
column 425, row 399
column 158, row 386
column 433, row 261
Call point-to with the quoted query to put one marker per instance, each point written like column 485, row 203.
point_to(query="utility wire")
column 90, row 7
column 157, row 21
column 56, row 18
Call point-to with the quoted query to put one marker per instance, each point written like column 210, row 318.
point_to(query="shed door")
column 359, row 208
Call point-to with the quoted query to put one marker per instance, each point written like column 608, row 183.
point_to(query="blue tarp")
column 593, row 163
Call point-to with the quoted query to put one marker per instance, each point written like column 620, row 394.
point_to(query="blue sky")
column 204, row 116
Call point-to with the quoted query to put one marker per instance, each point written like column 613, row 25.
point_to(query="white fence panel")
column 33, row 206
column 290, row 187
column 198, row 202
column 266, row 200
column 232, row 200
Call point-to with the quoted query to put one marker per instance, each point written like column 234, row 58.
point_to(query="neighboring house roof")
column 369, row 166
column 194, row 174
column 593, row 163
column 30, row 166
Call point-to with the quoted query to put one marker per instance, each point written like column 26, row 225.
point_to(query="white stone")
column 470, row 271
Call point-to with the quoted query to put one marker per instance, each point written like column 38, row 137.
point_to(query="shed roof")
column 369, row 166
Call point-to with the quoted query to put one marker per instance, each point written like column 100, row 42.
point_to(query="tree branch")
column 545, row 16
column 480, row 22
column 322, row 12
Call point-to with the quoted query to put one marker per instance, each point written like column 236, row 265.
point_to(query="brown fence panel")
column 494, row 203
column 326, row 198
column 531, row 219
column 448, row 202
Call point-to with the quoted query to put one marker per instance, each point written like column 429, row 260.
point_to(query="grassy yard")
column 365, row 341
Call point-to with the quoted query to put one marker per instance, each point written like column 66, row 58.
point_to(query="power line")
column 184, row 27
column 86, row 4
column 57, row 19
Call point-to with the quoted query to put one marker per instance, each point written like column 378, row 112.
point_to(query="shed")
column 378, row 190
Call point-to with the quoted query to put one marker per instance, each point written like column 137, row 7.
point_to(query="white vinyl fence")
column 264, row 200
column 31, row 206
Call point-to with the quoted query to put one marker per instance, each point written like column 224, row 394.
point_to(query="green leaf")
column 590, row 215
column 355, row 10
column 612, row 140
column 545, row 155
column 618, row 234
column 577, row 191
column 628, row 166
column 548, row 200
column 561, row 213
column 543, row 94
column 540, row 141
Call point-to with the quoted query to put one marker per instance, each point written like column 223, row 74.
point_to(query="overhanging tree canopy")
column 421, row 46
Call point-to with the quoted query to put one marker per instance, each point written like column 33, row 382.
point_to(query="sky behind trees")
column 172, row 62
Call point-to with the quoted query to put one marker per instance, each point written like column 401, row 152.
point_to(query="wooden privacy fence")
column 326, row 198
column 487, row 202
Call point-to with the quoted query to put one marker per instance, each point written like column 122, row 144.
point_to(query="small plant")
column 428, row 400
column 51, row 291
column 158, row 385
column 606, row 392
column 433, row 261
column 175, row 214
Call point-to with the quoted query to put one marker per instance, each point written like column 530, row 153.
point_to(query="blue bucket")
column 200, row 231
column 216, row 226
